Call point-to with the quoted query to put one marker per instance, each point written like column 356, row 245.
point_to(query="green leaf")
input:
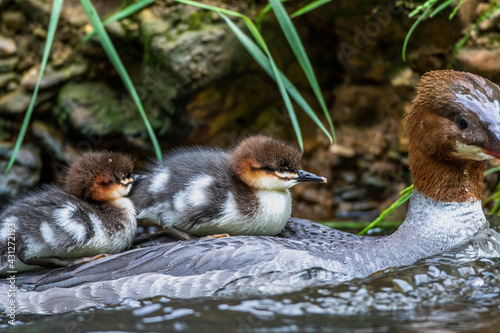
column 110, row 50
column 405, row 195
column 279, row 81
column 359, row 225
column 492, row 170
column 263, row 13
column 263, row 61
column 455, row 10
column 441, row 7
column 410, row 32
column 300, row 53
column 133, row 8
column 260, row 57
column 54, row 19
column 309, row 7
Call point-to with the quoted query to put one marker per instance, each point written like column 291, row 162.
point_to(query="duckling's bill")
column 304, row 176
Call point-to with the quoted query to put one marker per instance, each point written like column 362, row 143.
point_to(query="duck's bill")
column 304, row 176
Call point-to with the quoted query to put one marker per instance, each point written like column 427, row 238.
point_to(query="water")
column 455, row 291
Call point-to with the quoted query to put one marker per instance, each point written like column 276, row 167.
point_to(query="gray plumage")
column 51, row 223
column 205, row 267
column 153, row 196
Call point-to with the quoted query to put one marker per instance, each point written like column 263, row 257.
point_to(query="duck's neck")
column 433, row 226
column 447, row 180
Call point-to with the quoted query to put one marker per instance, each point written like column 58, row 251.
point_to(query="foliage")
column 114, row 58
column 256, row 49
column 405, row 196
column 430, row 8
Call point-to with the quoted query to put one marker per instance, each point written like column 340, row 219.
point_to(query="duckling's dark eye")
column 282, row 170
column 461, row 123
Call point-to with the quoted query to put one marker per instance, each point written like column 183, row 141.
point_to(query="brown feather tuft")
column 94, row 174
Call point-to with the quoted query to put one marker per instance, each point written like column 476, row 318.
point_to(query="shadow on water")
column 455, row 291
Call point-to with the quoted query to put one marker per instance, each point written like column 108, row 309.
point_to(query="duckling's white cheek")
column 273, row 183
column 470, row 152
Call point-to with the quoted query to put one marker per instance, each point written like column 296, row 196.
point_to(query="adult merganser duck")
column 205, row 191
column 453, row 126
column 86, row 221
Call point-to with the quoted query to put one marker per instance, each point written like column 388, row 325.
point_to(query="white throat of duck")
column 433, row 226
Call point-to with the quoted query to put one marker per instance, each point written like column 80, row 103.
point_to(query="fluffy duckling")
column 205, row 191
column 57, row 227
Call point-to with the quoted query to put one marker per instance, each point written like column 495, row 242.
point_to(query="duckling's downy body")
column 204, row 191
column 453, row 126
column 56, row 227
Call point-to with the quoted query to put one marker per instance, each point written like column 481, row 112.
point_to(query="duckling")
column 205, row 191
column 81, row 223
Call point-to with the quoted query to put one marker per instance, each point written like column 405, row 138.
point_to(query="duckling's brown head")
column 100, row 176
column 453, row 126
column 265, row 163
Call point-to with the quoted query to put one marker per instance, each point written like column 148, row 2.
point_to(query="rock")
column 353, row 194
column 6, row 78
column 190, row 57
column 362, row 105
column 342, row 151
column 52, row 77
column 38, row 10
column 92, row 108
column 480, row 60
column 74, row 13
column 405, row 78
column 25, row 173
column 7, row 47
column 15, row 102
column 53, row 142
column 8, row 64
column 18, row 101
column 13, row 20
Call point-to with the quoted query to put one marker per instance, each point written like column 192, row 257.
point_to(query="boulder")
column 25, row 173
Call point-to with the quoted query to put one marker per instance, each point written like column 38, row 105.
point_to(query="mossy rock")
column 92, row 108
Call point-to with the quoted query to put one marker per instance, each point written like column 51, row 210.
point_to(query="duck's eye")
column 124, row 177
column 282, row 170
column 461, row 123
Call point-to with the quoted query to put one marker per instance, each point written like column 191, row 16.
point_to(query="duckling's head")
column 100, row 176
column 264, row 163
column 455, row 116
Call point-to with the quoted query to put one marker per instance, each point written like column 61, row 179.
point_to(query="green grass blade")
column 492, row 170
column 54, row 19
column 263, row 61
column 441, row 7
column 278, row 79
column 309, row 7
column 133, row 8
column 212, row 8
column 457, row 7
column 410, row 32
column 263, row 13
column 300, row 53
column 260, row 57
column 356, row 225
column 405, row 195
column 117, row 63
